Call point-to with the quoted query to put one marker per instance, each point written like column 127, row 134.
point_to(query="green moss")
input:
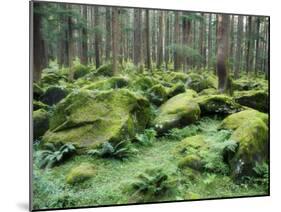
column 144, row 83
column 106, row 84
column 80, row 70
column 80, row 173
column 234, row 121
column 104, row 70
column 177, row 111
column 40, row 122
column 88, row 118
column 189, row 144
column 192, row 161
column 245, row 84
column 176, row 89
column 199, row 82
column 256, row 99
column 37, row 91
column 157, row 94
column 208, row 91
column 251, row 133
column 54, row 94
column 217, row 104
column 39, row 105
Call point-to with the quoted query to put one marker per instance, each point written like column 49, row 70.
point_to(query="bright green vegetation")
column 111, row 181
column 143, row 137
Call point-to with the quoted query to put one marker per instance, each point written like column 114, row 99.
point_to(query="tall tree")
column 222, row 47
column 97, row 36
column 115, row 30
column 167, row 40
column 257, row 35
column 71, row 45
column 160, row 40
column 186, row 37
column 108, row 33
column 147, row 28
column 39, row 61
column 238, row 47
column 84, row 58
column 202, row 41
column 137, row 37
column 210, row 43
column 176, row 42
column 249, row 45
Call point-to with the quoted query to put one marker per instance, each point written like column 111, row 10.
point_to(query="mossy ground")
column 112, row 179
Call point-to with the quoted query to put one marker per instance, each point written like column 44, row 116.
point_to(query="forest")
column 136, row 105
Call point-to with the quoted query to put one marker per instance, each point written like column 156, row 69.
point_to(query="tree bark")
column 210, row 43
column 186, row 39
column 257, row 67
column 114, row 39
column 177, row 42
column 108, row 33
column 39, row 56
column 238, row 47
column 84, row 58
column 160, row 40
column 222, row 48
column 147, row 28
column 137, row 37
column 97, row 36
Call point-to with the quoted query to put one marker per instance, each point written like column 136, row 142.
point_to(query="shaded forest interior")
column 138, row 105
column 150, row 39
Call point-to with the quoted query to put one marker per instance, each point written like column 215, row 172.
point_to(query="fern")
column 54, row 154
column 121, row 150
column 179, row 134
column 147, row 138
column 152, row 183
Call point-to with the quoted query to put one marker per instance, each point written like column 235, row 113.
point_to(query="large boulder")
column 157, row 94
column 110, row 83
column 217, row 104
column 256, row 99
column 199, row 82
column 250, row 131
column 177, row 111
column 80, row 173
column 54, row 94
column 80, row 70
column 88, row 118
column 176, row 89
column 40, row 123
column 245, row 84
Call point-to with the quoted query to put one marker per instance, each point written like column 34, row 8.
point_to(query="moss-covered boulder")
column 80, row 173
column 40, row 123
column 256, row 99
column 176, row 89
column 37, row 91
column 245, row 84
column 199, row 82
column 54, row 94
column 208, row 91
column 157, row 94
column 87, row 118
column 39, row 105
column 80, row 70
column 104, row 70
column 110, row 83
column 144, row 83
column 177, row 111
column 53, row 77
column 250, row 131
column 217, row 104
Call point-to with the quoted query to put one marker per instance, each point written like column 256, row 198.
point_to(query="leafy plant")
column 55, row 154
column 121, row 150
column 147, row 138
column 152, row 183
column 179, row 134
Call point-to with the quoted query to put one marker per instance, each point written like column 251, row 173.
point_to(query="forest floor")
column 114, row 177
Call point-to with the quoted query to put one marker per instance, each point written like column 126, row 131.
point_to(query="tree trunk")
column 114, row 39
column 137, row 37
column 147, row 27
column 97, row 36
column 257, row 67
column 71, row 45
column 39, row 61
column 84, row 58
column 186, row 39
column 210, row 43
column 238, row 47
column 177, row 42
column 222, row 48
column 108, row 34
column 160, row 40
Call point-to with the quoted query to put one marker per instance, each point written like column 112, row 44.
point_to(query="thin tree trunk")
column 210, row 43
column 238, row 47
column 84, row 59
column 137, row 37
column 257, row 67
column 71, row 45
column 160, row 40
column 176, row 41
column 114, row 39
column 222, row 42
column 97, row 36
column 39, row 61
column 108, row 34
column 147, row 27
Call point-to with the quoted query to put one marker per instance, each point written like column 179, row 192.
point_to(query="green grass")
column 113, row 179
